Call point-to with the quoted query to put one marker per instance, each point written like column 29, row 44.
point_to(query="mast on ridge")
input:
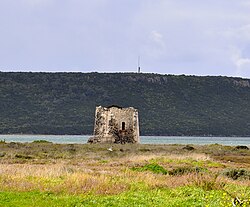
column 139, row 68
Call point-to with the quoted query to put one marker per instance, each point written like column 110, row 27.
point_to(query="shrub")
column 237, row 174
column 186, row 170
column 41, row 141
column 207, row 181
column 153, row 167
column 188, row 147
column 241, row 147
column 2, row 141
column 23, row 156
column 145, row 150
column 2, row 154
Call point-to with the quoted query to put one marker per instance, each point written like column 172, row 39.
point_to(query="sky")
column 191, row 37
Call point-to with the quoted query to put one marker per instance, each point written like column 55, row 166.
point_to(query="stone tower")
column 115, row 124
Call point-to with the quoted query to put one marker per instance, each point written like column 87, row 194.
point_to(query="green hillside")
column 64, row 103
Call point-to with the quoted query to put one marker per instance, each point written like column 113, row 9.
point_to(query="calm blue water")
column 82, row 139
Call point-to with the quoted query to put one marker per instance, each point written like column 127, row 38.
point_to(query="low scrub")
column 186, row 170
column 207, row 182
column 152, row 167
column 23, row 156
column 41, row 141
column 236, row 174
column 2, row 141
column 2, row 154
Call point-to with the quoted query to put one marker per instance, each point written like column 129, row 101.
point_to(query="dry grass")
column 140, row 158
column 77, row 169
column 57, row 178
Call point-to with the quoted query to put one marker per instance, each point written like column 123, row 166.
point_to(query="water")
column 82, row 139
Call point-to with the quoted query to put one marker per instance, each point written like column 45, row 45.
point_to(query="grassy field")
column 47, row 174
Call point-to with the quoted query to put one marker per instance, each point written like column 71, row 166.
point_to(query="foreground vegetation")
column 64, row 103
column 47, row 174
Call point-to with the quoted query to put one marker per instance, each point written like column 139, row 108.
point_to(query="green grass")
column 36, row 199
column 153, row 167
column 47, row 174
column 184, row 196
column 189, row 161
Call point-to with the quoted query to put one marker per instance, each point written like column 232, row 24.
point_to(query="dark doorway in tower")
column 123, row 125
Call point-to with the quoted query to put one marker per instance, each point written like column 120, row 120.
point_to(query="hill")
column 64, row 103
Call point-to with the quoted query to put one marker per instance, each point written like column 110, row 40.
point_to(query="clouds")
column 237, row 42
column 242, row 63
column 199, row 35
column 155, row 45
column 171, row 36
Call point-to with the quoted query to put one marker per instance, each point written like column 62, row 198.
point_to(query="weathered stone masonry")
column 115, row 124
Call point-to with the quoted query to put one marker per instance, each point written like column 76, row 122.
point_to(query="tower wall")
column 116, row 125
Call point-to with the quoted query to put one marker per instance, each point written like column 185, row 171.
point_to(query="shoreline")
column 160, row 140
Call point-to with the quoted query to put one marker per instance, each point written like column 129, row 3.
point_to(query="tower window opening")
column 123, row 125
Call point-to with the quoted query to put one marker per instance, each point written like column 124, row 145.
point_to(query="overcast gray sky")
column 195, row 37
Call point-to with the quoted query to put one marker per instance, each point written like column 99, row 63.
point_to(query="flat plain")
column 48, row 174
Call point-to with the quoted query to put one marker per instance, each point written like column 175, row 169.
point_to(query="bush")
column 41, row 141
column 188, row 147
column 237, row 174
column 23, row 156
column 2, row 154
column 153, row 167
column 241, row 147
column 2, row 141
column 186, row 170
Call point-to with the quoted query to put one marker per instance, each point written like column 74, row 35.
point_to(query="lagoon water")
column 82, row 139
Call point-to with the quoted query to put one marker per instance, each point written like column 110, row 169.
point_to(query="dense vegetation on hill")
column 64, row 103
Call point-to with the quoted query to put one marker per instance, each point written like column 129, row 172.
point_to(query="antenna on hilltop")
column 139, row 68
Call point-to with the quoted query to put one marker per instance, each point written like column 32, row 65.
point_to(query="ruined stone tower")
column 115, row 124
